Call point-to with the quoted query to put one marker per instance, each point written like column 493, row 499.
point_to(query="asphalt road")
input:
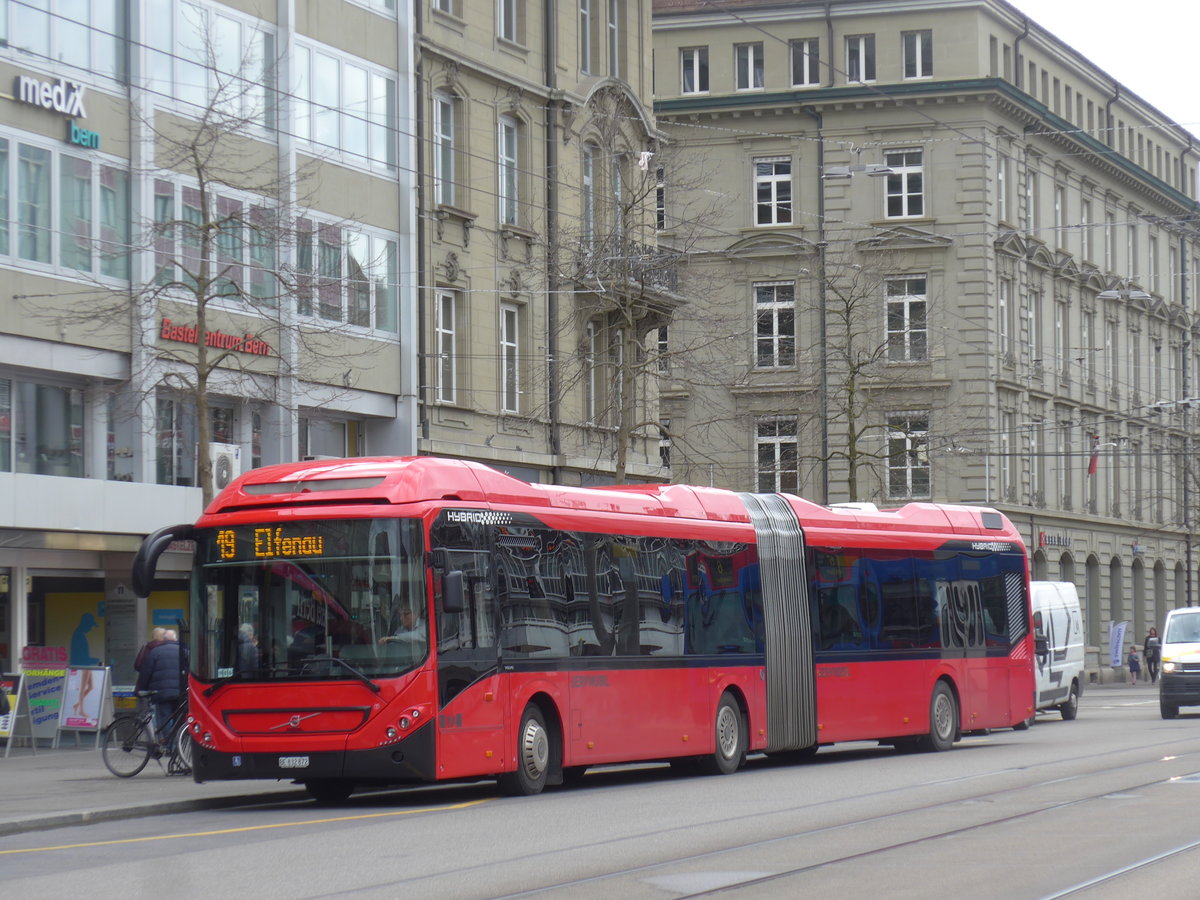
column 1100, row 807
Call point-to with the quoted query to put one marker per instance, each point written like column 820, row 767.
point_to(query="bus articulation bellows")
column 388, row 621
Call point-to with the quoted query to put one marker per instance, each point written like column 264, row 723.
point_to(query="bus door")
column 471, row 697
column 962, row 622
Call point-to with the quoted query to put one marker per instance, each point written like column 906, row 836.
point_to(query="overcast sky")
column 1150, row 46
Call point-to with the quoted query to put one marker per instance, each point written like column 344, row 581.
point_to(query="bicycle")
column 131, row 741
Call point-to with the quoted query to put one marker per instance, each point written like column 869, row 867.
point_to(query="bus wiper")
column 221, row 682
column 345, row 665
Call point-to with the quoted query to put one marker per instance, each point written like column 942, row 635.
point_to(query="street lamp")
column 1123, row 294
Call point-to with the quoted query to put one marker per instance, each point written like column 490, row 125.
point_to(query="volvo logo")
column 293, row 722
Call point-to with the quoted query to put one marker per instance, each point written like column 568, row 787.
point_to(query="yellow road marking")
column 199, row 834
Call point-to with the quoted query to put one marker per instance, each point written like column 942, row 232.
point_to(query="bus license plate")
column 293, row 762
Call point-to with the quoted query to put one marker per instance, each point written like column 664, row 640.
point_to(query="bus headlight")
column 1169, row 666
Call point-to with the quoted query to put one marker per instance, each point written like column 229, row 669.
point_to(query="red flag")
column 1095, row 460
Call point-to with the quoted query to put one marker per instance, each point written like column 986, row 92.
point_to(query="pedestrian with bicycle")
column 160, row 673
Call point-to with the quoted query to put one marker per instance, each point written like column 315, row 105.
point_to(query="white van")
column 1179, row 679
column 1058, row 638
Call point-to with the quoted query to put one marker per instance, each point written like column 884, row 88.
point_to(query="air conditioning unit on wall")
column 226, row 462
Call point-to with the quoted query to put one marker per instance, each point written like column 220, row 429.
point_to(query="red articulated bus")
column 382, row 621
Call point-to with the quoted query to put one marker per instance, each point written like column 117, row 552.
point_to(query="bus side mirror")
column 146, row 561
column 452, row 592
column 1041, row 645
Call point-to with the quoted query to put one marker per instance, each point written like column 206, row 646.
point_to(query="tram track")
column 1183, row 759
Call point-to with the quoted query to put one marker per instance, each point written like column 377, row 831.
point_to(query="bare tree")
column 640, row 218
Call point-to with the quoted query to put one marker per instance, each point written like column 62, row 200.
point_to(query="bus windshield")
column 322, row 599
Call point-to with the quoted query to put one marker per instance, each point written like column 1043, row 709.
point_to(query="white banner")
column 1116, row 643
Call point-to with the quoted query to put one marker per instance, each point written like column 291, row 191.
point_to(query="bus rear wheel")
column 534, row 749
column 943, row 720
column 730, row 728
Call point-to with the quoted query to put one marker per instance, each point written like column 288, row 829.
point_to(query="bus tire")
column 1167, row 709
column 943, row 720
column 1027, row 723
column 534, row 749
column 730, row 730
column 329, row 790
column 1069, row 709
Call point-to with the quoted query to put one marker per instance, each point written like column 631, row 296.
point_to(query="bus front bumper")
column 406, row 761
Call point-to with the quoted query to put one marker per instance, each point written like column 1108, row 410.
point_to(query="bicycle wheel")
column 126, row 747
column 181, row 762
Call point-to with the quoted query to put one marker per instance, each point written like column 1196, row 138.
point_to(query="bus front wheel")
column 534, row 748
column 730, row 728
column 943, row 719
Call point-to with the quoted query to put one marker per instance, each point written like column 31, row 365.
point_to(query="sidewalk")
column 71, row 786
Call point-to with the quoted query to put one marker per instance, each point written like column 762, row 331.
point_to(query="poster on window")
column 8, row 686
column 83, row 699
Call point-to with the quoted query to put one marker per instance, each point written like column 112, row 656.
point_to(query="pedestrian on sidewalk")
column 160, row 673
column 1151, row 647
column 157, row 636
column 1135, row 664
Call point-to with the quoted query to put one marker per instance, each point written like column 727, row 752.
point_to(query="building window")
column 70, row 212
column 1152, row 281
column 175, row 458
column 1062, row 323
column 694, row 65
column 353, row 274
column 509, row 149
column 207, row 58
column 587, row 35
column 1110, row 226
column 510, row 377
column 1087, row 330
column 1008, row 425
column 1112, row 342
column 1031, row 200
column 587, row 221
column 860, row 58
column 1036, row 345
column 616, row 16
column 1004, row 318
column 748, row 66
column 1085, row 229
column 806, row 63
column 778, row 455
column 41, row 429
column 773, row 191
column 775, row 324
column 660, row 199
column 445, row 107
column 347, row 105
column 907, row 335
column 511, row 20
column 905, row 184
column 446, row 347
column 908, row 457
column 1003, row 177
column 1060, row 215
column 591, row 373
column 917, row 49
column 87, row 35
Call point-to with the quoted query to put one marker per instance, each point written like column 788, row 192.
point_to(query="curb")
column 117, row 813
